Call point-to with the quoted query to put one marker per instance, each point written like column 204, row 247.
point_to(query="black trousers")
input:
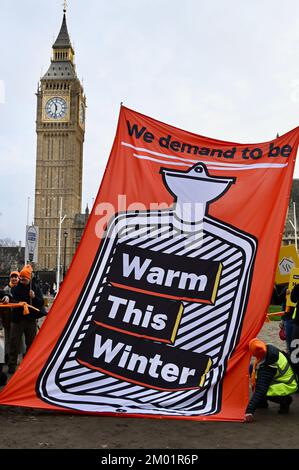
column 26, row 326
column 281, row 400
column 5, row 319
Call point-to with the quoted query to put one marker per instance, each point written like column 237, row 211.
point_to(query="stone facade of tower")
column 60, row 127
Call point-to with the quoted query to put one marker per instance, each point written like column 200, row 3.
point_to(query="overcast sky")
column 222, row 68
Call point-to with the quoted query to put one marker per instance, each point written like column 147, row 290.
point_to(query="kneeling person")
column 272, row 378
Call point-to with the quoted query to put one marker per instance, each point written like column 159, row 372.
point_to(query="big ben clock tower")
column 60, row 127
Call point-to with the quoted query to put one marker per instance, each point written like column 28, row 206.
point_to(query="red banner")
column 171, row 280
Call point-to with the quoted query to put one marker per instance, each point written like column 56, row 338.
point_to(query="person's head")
column 14, row 278
column 257, row 348
column 26, row 274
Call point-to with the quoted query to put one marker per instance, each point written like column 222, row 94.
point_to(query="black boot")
column 263, row 404
column 3, row 378
column 11, row 369
column 285, row 405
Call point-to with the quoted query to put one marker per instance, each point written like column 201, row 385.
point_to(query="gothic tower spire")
column 62, row 47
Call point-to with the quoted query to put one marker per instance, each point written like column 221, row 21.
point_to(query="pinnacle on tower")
column 62, row 48
column 63, row 39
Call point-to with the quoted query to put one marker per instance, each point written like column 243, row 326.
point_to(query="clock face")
column 56, row 108
column 82, row 113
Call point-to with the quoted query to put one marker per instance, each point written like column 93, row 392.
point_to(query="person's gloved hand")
column 248, row 418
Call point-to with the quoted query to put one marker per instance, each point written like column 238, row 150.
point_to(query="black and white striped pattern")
column 203, row 327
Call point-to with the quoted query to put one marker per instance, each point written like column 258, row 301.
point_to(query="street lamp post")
column 61, row 219
column 65, row 234
column 294, row 225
